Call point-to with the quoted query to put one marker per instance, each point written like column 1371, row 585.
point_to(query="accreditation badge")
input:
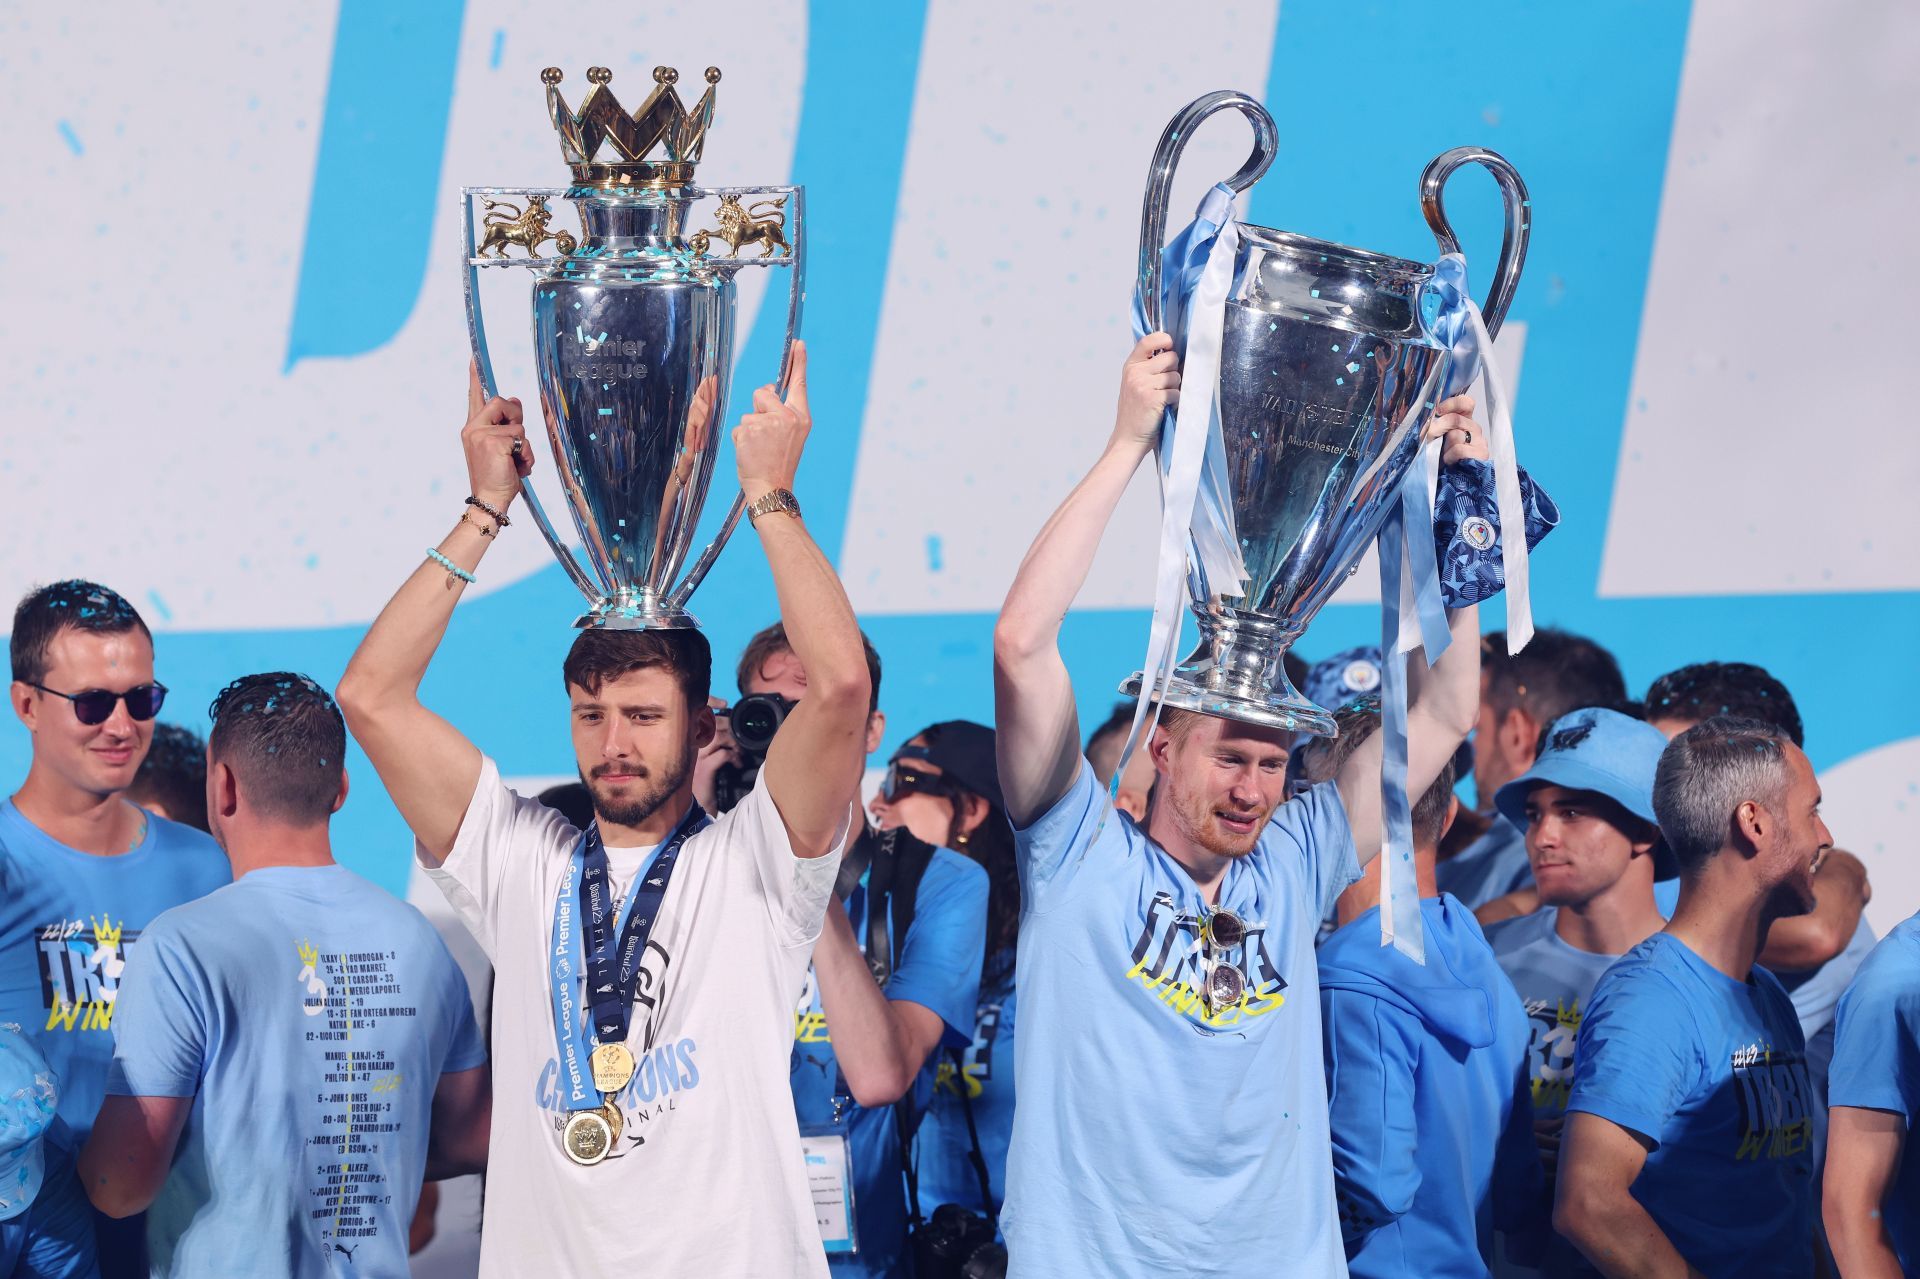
column 829, row 1162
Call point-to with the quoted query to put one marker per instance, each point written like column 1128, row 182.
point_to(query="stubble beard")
column 656, row 790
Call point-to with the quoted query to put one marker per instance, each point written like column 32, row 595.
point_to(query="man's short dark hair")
column 1741, row 689
column 174, row 775
column 598, row 656
column 1323, row 757
column 1555, row 673
column 284, row 739
column 70, row 605
column 773, row 640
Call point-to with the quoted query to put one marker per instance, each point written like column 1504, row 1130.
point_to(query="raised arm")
column 1037, row 731
column 1443, row 701
column 813, row 769
column 1804, row 942
column 427, row 765
column 1594, row 1205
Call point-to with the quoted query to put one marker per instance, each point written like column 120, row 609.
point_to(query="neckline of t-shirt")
column 1553, row 931
column 1694, row 959
column 148, row 834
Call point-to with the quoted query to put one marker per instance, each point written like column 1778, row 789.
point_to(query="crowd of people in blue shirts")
column 1652, row 1032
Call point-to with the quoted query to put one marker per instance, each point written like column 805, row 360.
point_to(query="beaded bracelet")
column 499, row 517
column 453, row 570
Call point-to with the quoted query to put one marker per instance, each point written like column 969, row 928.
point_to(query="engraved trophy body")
column 1330, row 369
column 633, row 335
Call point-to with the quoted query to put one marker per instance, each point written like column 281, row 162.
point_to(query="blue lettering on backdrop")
column 385, row 130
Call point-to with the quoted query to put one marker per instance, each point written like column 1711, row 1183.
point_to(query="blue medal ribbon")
column 614, row 943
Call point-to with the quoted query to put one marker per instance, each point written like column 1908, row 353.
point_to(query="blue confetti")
column 499, row 46
column 71, row 138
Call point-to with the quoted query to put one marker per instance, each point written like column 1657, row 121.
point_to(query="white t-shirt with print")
column 707, row 1177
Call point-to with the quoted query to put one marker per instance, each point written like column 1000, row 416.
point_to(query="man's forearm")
column 868, row 1040
column 819, row 620
column 1621, row 1239
column 1057, row 563
column 1804, row 942
column 392, row 659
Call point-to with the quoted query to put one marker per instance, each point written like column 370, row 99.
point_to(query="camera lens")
column 756, row 718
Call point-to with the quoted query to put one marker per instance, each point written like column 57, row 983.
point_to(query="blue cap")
column 27, row 1101
column 1340, row 679
column 1597, row 750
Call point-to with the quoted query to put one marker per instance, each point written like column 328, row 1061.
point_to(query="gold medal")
column 587, row 1137
column 612, row 1067
column 615, row 1120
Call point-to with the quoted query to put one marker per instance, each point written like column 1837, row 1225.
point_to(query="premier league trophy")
column 1331, row 361
column 633, row 334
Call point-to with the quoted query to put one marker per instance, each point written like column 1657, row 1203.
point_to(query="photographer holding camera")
column 895, row 977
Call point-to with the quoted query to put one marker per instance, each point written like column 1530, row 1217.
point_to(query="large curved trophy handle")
column 477, row 338
column 796, row 296
column 1513, row 245
column 1166, row 157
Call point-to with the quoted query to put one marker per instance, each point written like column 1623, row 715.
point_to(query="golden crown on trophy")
column 662, row 121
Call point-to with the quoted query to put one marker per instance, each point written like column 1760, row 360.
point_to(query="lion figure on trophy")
column 740, row 227
column 506, row 223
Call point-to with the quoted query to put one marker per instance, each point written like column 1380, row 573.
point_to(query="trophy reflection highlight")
column 632, row 325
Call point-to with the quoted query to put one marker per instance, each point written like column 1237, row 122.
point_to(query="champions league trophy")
column 633, row 334
column 1331, row 361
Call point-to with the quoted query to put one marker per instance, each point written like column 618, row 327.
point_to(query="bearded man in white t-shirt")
column 646, row 970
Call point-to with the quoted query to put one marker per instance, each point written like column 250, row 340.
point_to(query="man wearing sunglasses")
column 1173, row 1104
column 880, row 1000
column 82, row 870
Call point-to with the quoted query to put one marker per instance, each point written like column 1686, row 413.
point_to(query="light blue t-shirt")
column 944, row 1147
column 1154, row 1137
column 1714, row 1072
column 1491, row 866
column 1876, row 1064
column 939, row 969
column 68, row 923
column 310, row 1015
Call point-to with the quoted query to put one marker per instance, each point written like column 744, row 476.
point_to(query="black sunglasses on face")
column 96, row 704
column 902, row 779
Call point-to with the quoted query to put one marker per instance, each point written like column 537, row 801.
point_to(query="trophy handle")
column 477, row 338
column 1166, row 156
column 1513, row 245
column 796, row 295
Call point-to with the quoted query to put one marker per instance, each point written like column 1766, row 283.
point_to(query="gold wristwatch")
column 774, row 500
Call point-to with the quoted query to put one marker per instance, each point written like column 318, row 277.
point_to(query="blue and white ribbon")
column 1196, row 514
column 1414, row 616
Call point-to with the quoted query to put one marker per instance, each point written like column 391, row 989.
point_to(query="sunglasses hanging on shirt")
column 1221, row 931
column 96, row 704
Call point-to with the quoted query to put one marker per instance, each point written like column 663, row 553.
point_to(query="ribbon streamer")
column 1206, row 247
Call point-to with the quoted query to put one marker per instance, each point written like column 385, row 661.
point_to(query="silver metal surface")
column 633, row 345
column 1329, row 374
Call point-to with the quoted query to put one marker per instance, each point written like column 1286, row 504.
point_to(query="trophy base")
column 1237, row 673
column 1294, row 714
column 624, row 615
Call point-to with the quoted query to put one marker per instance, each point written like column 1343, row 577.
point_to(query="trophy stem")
column 1237, row 673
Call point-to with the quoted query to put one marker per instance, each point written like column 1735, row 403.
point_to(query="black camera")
column 958, row 1244
column 755, row 718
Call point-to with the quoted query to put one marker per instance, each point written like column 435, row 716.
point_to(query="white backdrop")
column 231, row 329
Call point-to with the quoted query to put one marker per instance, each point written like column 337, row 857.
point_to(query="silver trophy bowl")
column 633, row 337
column 1329, row 374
